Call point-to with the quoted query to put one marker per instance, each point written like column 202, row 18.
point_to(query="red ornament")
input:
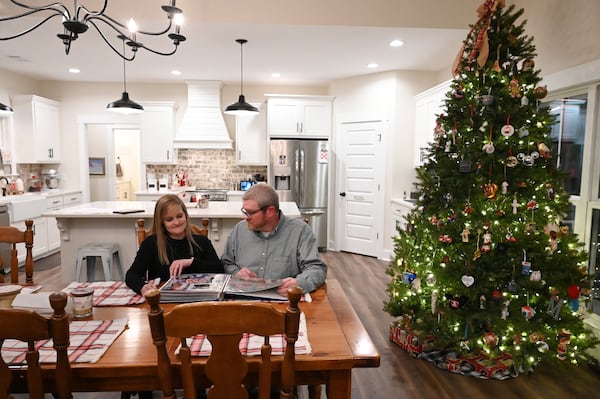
column 490, row 339
column 497, row 295
column 573, row 291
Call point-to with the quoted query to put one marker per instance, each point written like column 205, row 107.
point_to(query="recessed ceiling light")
column 175, row 72
column 396, row 43
column 372, row 65
column 74, row 70
column 276, row 75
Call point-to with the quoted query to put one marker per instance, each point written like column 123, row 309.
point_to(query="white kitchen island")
column 96, row 222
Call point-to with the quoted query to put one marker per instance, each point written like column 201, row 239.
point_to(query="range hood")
column 203, row 126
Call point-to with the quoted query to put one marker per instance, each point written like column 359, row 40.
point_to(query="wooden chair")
column 143, row 233
column 224, row 323
column 14, row 236
column 28, row 326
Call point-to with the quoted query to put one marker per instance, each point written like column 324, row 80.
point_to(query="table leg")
column 339, row 385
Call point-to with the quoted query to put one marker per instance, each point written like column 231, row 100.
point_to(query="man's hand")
column 287, row 282
column 245, row 273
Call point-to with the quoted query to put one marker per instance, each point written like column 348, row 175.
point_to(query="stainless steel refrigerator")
column 299, row 172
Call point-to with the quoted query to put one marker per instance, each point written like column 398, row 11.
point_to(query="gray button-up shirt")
column 288, row 251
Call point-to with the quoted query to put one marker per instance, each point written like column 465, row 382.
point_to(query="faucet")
column 4, row 186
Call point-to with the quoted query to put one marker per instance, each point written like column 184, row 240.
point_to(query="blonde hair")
column 158, row 227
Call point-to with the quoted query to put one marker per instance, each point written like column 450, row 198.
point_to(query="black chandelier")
column 80, row 18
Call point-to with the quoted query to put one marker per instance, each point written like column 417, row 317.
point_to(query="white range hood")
column 203, row 126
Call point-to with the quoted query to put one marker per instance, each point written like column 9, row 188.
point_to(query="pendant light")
column 241, row 107
column 124, row 105
column 5, row 110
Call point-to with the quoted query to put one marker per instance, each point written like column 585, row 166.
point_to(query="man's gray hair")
column 263, row 194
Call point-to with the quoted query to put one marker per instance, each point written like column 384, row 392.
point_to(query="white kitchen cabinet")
column 40, row 238
column 428, row 104
column 299, row 116
column 251, row 138
column 157, row 132
column 37, row 129
column 400, row 210
column 55, row 202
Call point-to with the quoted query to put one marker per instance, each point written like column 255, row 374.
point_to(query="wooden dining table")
column 338, row 339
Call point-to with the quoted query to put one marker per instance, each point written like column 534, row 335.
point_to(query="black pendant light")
column 124, row 105
column 241, row 107
column 5, row 109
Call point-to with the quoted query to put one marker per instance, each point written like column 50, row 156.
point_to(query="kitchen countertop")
column 104, row 209
column 33, row 195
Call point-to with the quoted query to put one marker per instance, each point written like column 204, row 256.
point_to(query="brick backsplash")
column 208, row 169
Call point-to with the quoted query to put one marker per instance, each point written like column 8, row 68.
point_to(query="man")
column 267, row 244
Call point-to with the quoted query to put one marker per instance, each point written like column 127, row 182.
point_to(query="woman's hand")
column 178, row 265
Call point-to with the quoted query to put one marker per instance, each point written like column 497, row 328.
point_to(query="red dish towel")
column 250, row 344
column 89, row 340
column 109, row 293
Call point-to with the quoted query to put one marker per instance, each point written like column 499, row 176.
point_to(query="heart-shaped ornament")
column 467, row 280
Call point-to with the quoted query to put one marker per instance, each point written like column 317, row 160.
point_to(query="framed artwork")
column 97, row 166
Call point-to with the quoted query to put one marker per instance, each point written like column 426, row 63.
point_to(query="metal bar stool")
column 108, row 254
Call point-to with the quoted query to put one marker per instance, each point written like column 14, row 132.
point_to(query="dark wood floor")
column 401, row 376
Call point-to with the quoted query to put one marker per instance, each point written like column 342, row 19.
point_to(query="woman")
column 171, row 249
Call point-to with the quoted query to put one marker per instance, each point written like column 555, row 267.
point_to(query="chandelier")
column 77, row 20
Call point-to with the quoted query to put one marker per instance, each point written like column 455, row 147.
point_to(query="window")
column 568, row 136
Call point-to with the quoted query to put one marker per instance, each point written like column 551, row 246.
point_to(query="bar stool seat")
column 108, row 254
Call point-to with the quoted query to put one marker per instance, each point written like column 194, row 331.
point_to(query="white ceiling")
column 305, row 51
column 309, row 42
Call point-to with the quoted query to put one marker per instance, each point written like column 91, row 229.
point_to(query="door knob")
column 342, row 194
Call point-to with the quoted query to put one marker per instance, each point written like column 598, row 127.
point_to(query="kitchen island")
column 96, row 222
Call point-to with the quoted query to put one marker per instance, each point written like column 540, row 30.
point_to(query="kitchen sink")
column 25, row 207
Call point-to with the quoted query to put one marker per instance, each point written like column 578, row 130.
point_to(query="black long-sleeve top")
column 147, row 263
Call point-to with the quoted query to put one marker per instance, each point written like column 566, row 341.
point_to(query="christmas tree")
column 486, row 263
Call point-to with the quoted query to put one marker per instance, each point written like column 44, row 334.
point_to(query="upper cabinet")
column 251, row 138
column 299, row 116
column 36, row 129
column 156, row 138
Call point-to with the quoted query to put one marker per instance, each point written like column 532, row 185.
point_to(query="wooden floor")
column 401, row 376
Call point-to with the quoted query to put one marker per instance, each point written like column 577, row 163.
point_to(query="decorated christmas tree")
column 487, row 264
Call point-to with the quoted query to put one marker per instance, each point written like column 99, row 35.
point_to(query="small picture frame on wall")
column 97, row 166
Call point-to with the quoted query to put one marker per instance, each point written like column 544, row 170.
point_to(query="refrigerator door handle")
column 301, row 171
column 312, row 213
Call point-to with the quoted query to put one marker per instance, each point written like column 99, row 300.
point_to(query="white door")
column 361, row 193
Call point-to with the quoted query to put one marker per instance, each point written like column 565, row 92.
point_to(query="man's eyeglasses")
column 249, row 214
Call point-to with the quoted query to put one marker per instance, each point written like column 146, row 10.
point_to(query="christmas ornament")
column 490, row 189
column 542, row 346
column 540, row 92
column 564, row 339
column 550, row 191
column 488, row 148
column 504, row 186
column 573, row 292
column 513, row 88
column 416, row 284
column 528, row 159
column 528, row 64
column 504, row 313
column 490, row 339
column 467, row 280
column 536, row 275
column 456, row 302
column 497, row 295
column 459, row 93
column 515, row 205
column 482, row 301
column 487, row 99
column 544, row 151
column 554, row 305
column 524, row 101
column 528, row 312
column 525, row 265
column 445, row 238
column 433, row 302
column 430, row 280
column 465, row 234
column 507, row 130
column 408, row 277
column 487, row 240
column 523, row 132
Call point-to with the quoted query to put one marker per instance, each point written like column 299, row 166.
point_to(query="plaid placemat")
column 89, row 340
column 250, row 344
column 109, row 293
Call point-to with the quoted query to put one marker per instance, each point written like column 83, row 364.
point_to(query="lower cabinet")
column 52, row 232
